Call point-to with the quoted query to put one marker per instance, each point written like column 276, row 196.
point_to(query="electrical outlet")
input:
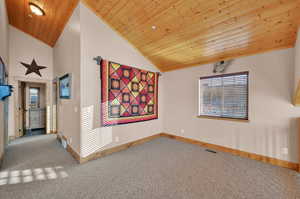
column 70, row 140
column 182, row 131
column 285, row 150
column 117, row 139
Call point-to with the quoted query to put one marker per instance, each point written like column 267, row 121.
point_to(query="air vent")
column 211, row 151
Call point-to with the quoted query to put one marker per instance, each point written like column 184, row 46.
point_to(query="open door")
column 32, row 108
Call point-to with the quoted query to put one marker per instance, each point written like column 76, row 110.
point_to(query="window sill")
column 223, row 118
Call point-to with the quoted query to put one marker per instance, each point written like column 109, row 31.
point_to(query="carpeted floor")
column 35, row 132
column 38, row 168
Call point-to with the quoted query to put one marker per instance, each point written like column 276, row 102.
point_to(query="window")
column 224, row 96
column 34, row 97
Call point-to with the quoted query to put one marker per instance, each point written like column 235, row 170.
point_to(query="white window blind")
column 224, row 96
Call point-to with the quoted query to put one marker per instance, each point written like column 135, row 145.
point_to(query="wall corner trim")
column 253, row 156
column 73, row 153
column 122, row 147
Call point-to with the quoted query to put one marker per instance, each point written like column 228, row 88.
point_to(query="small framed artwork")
column 65, row 85
column 2, row 72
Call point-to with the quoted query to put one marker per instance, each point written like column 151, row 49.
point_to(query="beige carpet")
column 37, row 168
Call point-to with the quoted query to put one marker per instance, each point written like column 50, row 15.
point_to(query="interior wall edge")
column 253, row 156
column 67, row 60
column 105, row 152
column 229, row 58
column 84, row 3
column 32, row 36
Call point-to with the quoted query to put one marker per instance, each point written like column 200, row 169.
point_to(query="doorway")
column 32, row 108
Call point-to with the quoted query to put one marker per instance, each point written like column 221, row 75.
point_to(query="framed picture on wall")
column 65, row 85
column 2, row 72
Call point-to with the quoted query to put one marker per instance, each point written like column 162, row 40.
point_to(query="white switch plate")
column 285, row 150
column 117, row 139
column 182, row 131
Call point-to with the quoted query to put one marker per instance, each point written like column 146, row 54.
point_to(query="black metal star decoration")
column 33, row 68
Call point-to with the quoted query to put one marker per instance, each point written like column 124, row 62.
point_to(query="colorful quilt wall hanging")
column 128, row 94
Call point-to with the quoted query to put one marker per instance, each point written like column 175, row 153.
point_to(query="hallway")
column 30, row 152
column 33, row 164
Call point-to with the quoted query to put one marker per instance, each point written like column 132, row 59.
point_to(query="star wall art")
column 33, row 68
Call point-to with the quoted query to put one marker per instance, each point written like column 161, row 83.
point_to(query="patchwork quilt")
column 128, row 94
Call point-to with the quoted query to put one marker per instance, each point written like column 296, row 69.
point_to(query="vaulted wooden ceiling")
column 193, row 32
column 187, row 33
column 45, row 28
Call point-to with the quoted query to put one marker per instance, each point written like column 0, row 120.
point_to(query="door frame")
column 15, row 117
column 55, row 94
column 41, row 104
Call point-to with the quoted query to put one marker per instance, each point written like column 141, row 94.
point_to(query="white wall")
column 67, row 60
column 98, row 39
column 272, row 123
column 23, row 48
column 4, row 55
column 3, row 32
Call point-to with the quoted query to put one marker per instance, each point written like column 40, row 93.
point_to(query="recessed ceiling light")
column 35, row 9
column 153, row 27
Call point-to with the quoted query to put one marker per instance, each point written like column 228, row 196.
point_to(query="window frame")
column 246, row 119
column 38, row 98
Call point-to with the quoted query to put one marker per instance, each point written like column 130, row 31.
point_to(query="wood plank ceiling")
column 45, row 28
column 193, row 32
